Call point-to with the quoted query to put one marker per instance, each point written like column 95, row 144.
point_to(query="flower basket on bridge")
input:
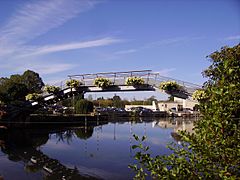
column 170, row 86
column 52, row 89
column 199, row 95
column 173, row 88
column 135, row 81
column 73, row 83
column 102, row 82
column 33, row 97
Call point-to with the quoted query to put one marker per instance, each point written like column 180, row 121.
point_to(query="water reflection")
column 89, row 151
column 177, row 124
column 24, row 145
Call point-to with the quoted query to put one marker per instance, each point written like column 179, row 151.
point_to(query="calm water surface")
column 100, row 150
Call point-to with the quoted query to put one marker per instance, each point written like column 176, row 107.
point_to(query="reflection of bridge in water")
column 23, row 145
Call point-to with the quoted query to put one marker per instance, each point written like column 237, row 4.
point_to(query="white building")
column 153, row 107
column 178, row 104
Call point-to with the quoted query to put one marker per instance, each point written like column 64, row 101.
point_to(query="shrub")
column 134, row 81
column 212, row 151
column 73, row 83
column 33, row 97
column 169, row 86
column 102, row 82
column 52, row 89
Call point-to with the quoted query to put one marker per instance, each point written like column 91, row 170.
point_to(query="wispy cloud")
column 70, row 46
column 38, row 17
column 237, row 37
column 44, row 68
column 33, row 19
column 126, row 51
column 166, row 42
column 159, row 43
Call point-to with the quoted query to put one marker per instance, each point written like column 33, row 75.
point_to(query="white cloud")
column 70, row 46
column 159, row 43
column 33, row 19
column 44, row 68
column 172, row 41
column 237, row 37
column 126, row 51
column 38, row 17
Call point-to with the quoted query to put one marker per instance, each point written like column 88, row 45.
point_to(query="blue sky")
column 60, row 37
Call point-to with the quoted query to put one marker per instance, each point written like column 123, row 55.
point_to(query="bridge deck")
column 118, row 79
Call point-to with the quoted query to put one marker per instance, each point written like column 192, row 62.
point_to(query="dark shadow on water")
column 22, row 145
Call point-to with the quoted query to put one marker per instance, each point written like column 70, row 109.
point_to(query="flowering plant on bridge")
column 33, row 97
column 102, row 82
column 170, row 86
column 199, row 95
column 73, row 83
column 134, row 81
column 51, row 89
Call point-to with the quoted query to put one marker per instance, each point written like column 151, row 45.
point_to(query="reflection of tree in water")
column 65, row 136
column 22, row 145
column 84, row 133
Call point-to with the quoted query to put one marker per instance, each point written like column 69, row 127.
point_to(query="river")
column 93, row 150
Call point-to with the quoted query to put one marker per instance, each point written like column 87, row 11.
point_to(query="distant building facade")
column 178, row 104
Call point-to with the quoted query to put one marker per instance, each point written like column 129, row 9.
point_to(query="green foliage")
column 213, row 150
column 33, row 97
column 169, row 86
column 16, row 87
column 83, row 106
column 73, row 83
column 102, row 82
column 134, row 81
column 11, row 92
column 199, row 95
column 33, row 81
column 51, row 89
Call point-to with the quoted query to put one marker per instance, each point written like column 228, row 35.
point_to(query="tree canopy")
column 213, row 150
column 18, row 86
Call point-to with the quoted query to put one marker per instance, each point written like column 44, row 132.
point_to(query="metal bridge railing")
column 118, row 78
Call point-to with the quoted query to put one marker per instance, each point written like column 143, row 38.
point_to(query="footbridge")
column 152, row 80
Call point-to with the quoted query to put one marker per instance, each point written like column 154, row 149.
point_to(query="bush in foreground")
column 213, row 150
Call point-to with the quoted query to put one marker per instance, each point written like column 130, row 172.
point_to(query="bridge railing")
column 119, row 78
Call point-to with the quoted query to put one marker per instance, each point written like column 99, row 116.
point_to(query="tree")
column 117, row 102
column 12, row 91
column 33, row 81
column 18, row 86
column 83, row 106
column 213, row 150
column 83, row 133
